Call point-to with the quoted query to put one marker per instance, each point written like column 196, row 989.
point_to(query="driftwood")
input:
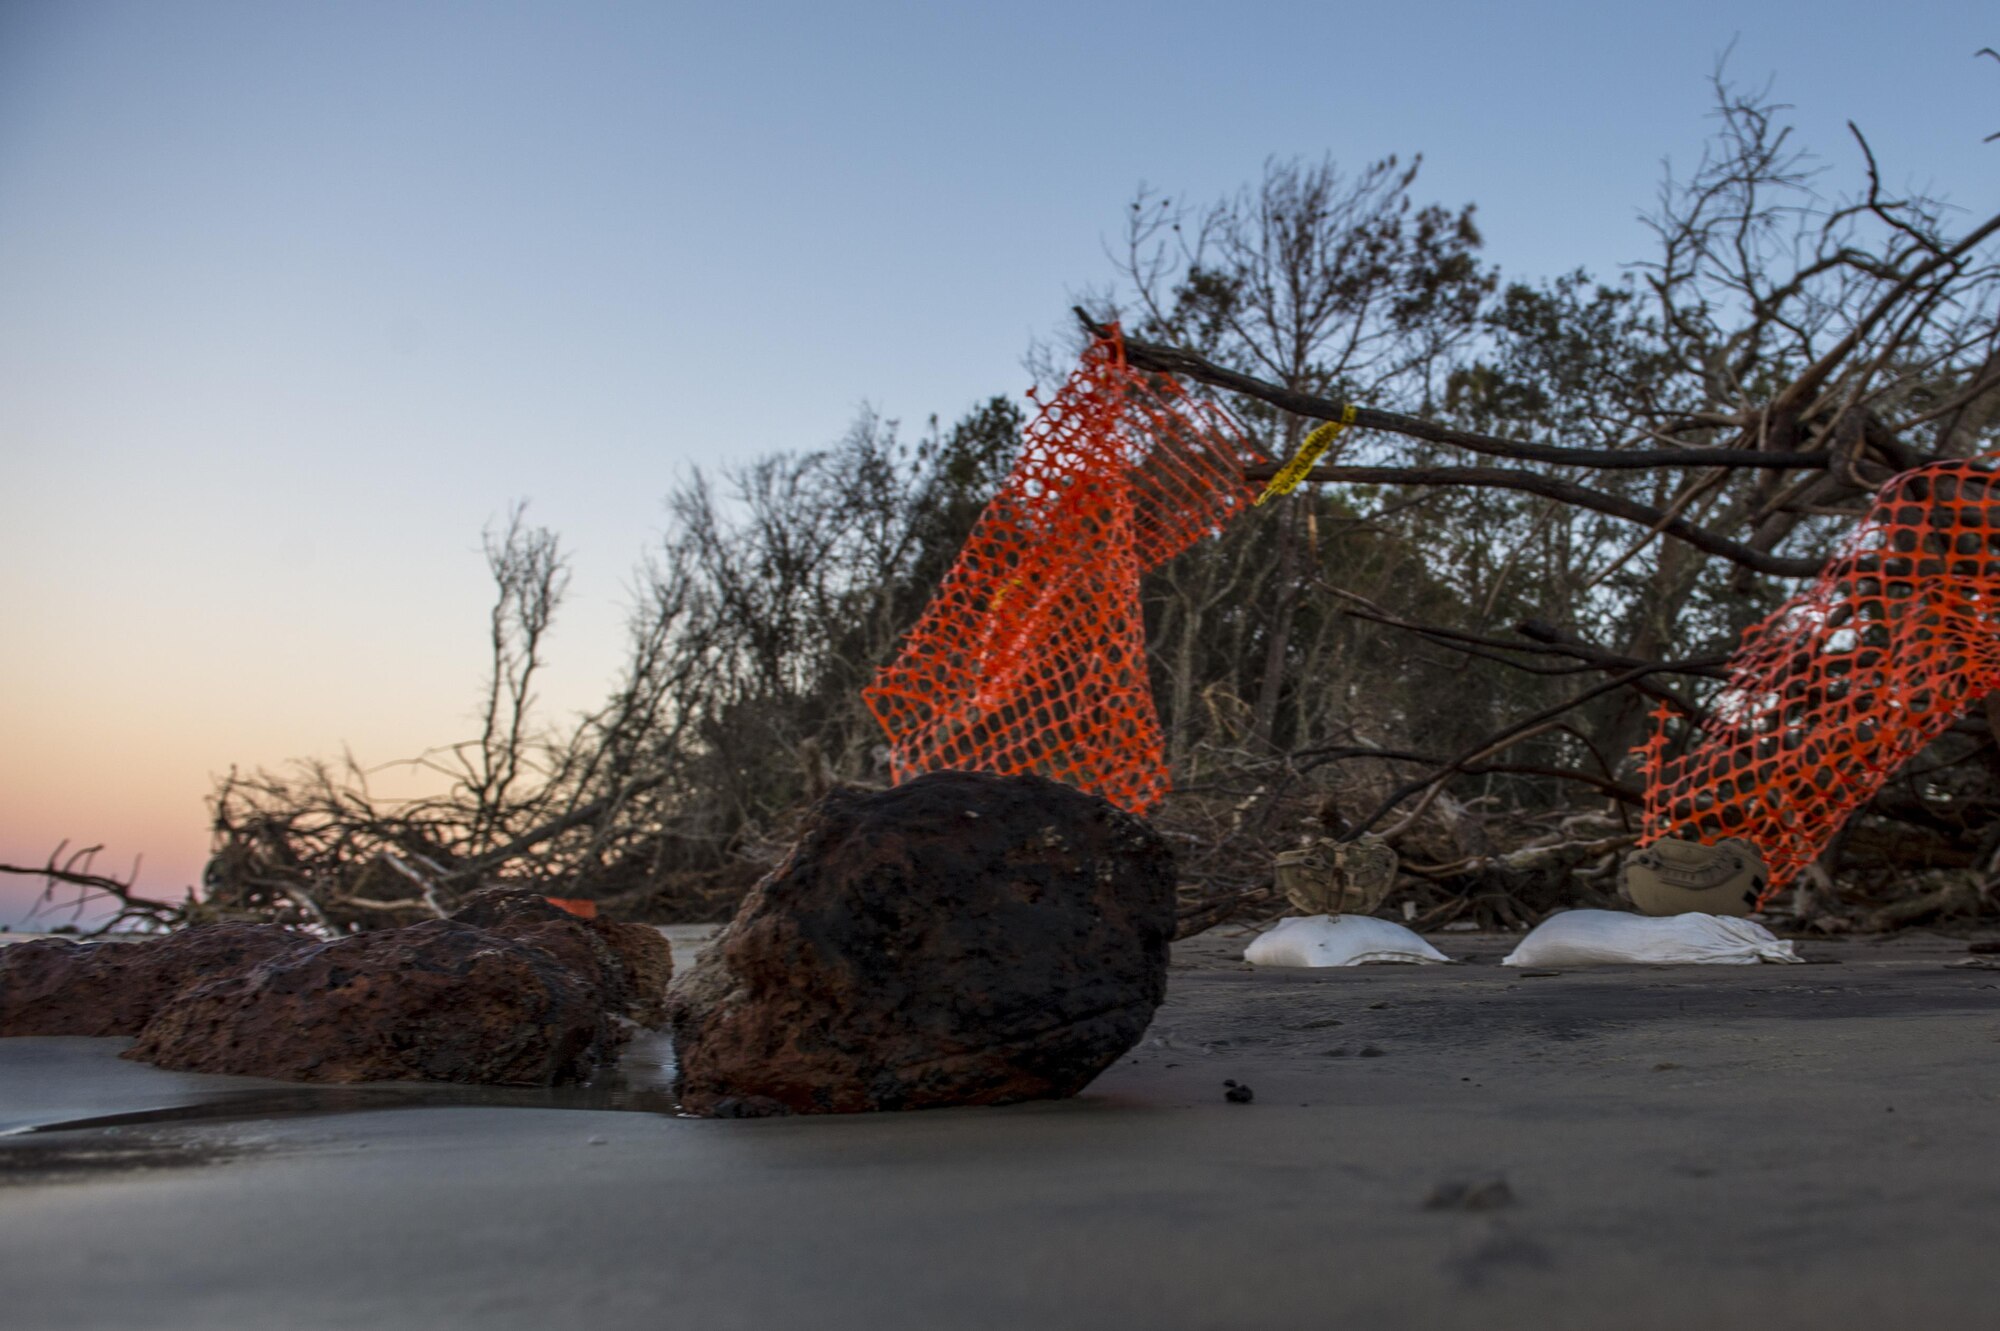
column 72, row 869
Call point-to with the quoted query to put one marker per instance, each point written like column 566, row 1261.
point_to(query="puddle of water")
column 640, row 1082
column 27, row 1163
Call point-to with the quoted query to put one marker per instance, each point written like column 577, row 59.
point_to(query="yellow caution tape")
column 1310, row 449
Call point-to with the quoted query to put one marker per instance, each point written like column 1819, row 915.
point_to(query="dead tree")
column 1788, row 355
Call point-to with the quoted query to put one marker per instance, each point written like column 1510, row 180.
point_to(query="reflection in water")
column 640, row 1082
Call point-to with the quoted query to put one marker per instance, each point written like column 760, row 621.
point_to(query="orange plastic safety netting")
column 1843, row 683
column 1031, row 656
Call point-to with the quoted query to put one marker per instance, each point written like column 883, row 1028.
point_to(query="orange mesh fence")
column 1031, row 656
column 1843, row 683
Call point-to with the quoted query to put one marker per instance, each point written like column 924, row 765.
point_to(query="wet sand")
column 1770, row 1146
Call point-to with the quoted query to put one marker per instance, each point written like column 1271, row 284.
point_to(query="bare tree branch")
column 1190, row 365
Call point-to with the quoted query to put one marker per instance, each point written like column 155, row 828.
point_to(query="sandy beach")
column 1778, row 1146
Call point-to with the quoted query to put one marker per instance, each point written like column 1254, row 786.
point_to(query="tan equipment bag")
column 1337, row 877
column 1674, row 877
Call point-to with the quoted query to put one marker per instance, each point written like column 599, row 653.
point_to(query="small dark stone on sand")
column 1478, row 1195
column 1238, row 1095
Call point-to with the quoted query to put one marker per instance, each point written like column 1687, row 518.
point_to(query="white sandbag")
column 1338, row 940
column 1612, row 937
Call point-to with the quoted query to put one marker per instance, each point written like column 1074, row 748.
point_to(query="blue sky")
column 294, row 297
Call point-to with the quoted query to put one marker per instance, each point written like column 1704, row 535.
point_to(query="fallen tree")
column 1562, row 504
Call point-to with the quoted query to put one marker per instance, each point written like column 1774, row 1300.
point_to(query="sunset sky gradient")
column 296, row 297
